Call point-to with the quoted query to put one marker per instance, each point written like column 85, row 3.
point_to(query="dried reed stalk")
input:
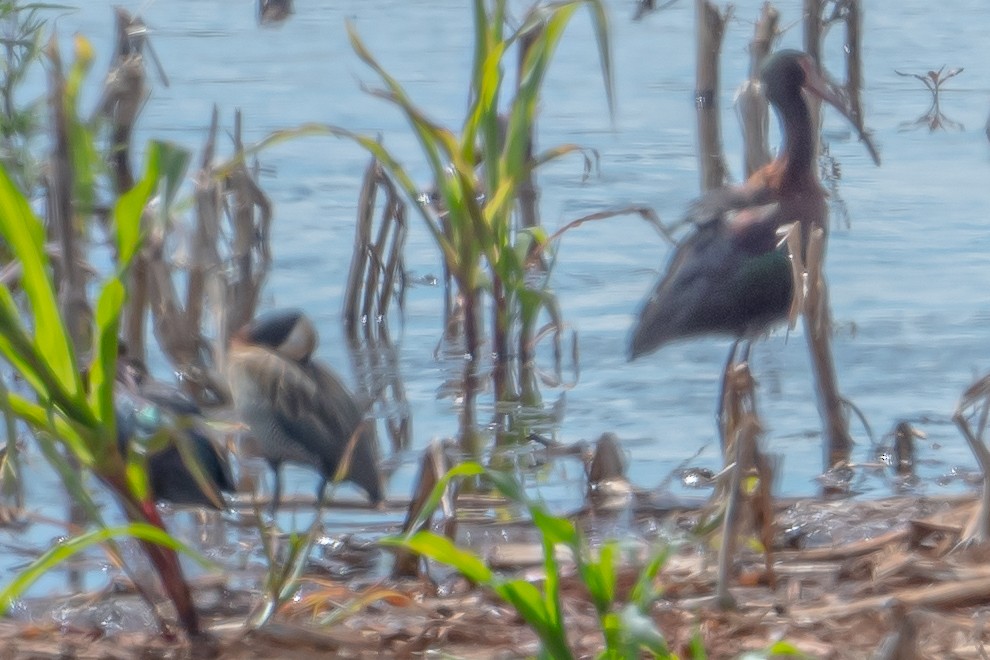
column 431, row 470
column 754, row 113
column 377, row 273
column 971, row 415
column 124, row 94
column 710, row 25
column 742, row 431
column 376, row 279
column 235, row 284
column 818, row 329
column 62, row 222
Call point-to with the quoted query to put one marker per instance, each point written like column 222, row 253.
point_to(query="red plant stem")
column 165, row 560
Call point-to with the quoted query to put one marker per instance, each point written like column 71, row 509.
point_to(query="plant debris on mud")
column 853, row 579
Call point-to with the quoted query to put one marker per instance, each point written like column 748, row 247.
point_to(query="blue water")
column 908, row 277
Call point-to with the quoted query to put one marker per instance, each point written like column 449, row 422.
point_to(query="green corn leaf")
column 41, row 420
column 63, row 551
column 442, row 549
column 643, row 593
column 86, row 160
column 130, row 206
column 465, row 469
column 640, row 631
column 25, row 235
column 555, row 529
column 529, row 603
column 137, row 475
column 173, row 162
column 599, row 576
column 103, row 368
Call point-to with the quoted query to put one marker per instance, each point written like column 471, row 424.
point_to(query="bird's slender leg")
column 747, row 347
column 720, row 416
column 321, row 493
column 276, row 486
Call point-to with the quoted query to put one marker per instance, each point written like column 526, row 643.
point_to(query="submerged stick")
column 818, row 330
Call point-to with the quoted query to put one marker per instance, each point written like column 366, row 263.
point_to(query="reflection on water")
column 933, row 117
column 909, row 273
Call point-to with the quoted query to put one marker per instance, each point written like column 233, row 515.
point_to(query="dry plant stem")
column 178, row 337
column 376, row 273
column 123, row 96
column 976, row 400
column 431, row 470
column 68, row 276
column 68, row 271
column 814, row 34
column 711, row 28
column 753, row 111
column 376, row 276
column 179, row 324
column 251, row 219
column 818, row 330
column 730, row 527
column 742, row 430
column 359, row 273
column 854, row 62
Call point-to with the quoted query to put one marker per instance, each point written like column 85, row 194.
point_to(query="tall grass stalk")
column 479, row 171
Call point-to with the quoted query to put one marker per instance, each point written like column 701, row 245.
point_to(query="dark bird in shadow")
column 144, row 408
column 730, row 276
column 296, row 409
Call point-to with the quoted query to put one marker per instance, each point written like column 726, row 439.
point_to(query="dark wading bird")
column 730, row 276
column 296, row 409
column 143, row 407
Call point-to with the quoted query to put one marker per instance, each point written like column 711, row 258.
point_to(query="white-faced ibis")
column 296, row 409
column 729, row 276
column 143, row 406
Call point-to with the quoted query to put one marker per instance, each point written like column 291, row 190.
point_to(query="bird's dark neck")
column 800, row 139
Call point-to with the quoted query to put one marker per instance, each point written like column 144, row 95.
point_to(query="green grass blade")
column 555, row 529
column 465, row 469
column 86, row 159
column 600, row 577
column 442, row 549
column 173, row 161
column 529, row 603
column 63, row 551
column 600, row 22
column 40, row 419
column 130, row 206
column 25, row 235
column 103, row 369
column 643, row 593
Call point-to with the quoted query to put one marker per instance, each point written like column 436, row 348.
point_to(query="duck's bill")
column 818, row 85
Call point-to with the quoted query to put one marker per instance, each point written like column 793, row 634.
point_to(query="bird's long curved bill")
column 818, row 85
